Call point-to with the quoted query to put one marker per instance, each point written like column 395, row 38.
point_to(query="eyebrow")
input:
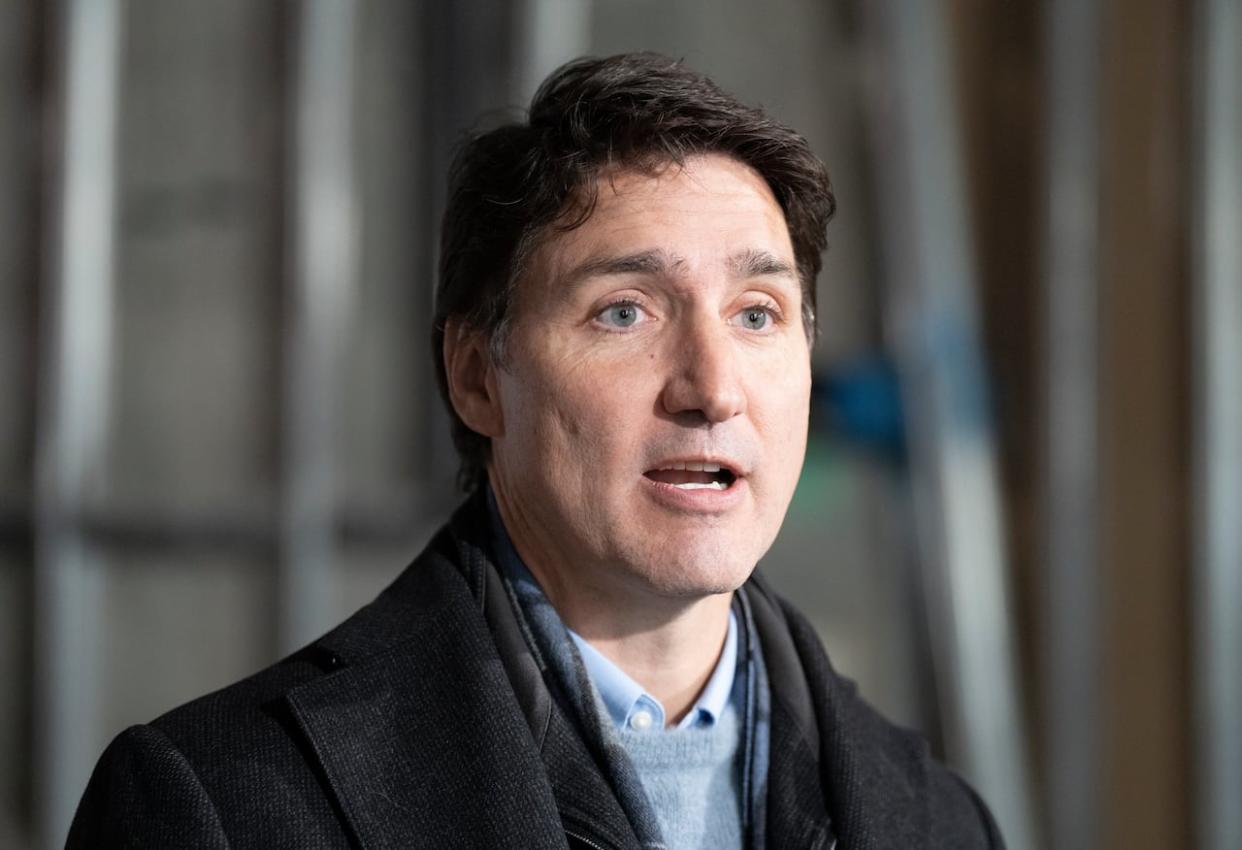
column 743, row 265
column 654, row 263
column 759, row 263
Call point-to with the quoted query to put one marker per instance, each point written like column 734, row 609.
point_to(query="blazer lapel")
column 423, row 743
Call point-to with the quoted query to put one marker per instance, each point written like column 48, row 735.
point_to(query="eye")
column 754, row 318
column 623, row 314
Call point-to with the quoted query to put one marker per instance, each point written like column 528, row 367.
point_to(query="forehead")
column 707, row 209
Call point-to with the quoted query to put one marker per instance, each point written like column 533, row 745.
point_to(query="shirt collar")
column 631, row 707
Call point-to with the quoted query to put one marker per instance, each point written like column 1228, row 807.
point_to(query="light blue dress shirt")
column 631, row 707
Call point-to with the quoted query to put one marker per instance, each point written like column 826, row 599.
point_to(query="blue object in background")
column 859, row 402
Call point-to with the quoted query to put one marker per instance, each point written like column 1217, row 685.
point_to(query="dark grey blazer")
column 423, row 721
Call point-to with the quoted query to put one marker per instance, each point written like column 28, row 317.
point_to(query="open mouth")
column 691, row 475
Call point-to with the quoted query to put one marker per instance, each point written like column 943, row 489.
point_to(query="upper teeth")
column 694, row 466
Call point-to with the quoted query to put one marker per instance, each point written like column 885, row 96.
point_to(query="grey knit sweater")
column 693, row 779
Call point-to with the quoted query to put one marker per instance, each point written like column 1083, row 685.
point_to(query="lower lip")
column 704, row 500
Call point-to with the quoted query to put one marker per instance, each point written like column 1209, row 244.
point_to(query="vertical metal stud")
column 549, row 33
column 323, row 246
column 1071, row 653
column 931, row 316
column 74, row 393
column 1217, row 263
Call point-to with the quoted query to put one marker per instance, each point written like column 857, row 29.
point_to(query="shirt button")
column 641, row 721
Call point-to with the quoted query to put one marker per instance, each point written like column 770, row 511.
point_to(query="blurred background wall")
column 1018, row 523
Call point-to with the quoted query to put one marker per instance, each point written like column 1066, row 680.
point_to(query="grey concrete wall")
column 18, row 117
column 17, row 135
column 199, row 260
column 14, row 699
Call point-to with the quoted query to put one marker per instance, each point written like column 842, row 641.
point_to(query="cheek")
column 799, row 412
column 785, row 406
column 590, row 413
column 562, row 412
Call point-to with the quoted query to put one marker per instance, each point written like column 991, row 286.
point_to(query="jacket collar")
column 796, row 812
column 587, row 803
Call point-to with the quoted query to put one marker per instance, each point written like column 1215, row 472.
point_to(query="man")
column 582, row 658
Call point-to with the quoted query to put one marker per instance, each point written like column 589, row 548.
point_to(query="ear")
column 471, row 378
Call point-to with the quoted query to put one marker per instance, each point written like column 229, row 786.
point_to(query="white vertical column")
column 322, row 224
column 75, row 388
column 1217, row 265
column 932, row 317
column 1071, row 653
column 549, row 33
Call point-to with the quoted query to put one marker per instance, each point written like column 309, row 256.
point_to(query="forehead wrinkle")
column 652, row 263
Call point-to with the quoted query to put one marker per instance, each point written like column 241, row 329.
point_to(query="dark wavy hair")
column 512, row 186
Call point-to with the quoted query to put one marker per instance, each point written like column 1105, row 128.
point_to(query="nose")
column 706, row 380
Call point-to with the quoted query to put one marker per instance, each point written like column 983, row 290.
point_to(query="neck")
column 672, row 659
column 669, row 645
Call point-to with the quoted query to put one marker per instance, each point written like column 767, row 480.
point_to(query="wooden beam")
column 1144, row 439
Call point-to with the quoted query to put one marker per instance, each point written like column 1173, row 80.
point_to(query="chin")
column 693, row 575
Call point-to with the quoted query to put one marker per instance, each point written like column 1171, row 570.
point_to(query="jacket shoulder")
column 143, row 793
column 239, row 754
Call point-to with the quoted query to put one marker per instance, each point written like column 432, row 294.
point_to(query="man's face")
column 662, row 336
